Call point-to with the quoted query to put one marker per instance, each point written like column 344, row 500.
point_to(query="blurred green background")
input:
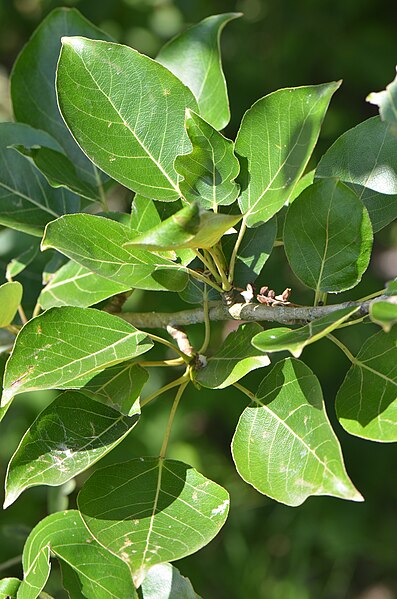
column 326, row 549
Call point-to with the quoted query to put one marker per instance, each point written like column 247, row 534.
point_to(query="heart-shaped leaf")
column 387, row 102
column 275, row 141
column 70, row 435
column 384, row 314
column 194, row 57
column 284, row 445
column 150, row 510
column 295, row 341
column 236, row 358
column 328, row 237
column 97, row 244
column 209, row 171
column 366, row 403
column 137, row 128
column 10, row 298
column 164, row 581
column 64, row 348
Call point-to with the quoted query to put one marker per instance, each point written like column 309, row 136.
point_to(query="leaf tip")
column 9, row 499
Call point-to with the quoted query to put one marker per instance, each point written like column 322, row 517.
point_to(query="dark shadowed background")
column 326, row 549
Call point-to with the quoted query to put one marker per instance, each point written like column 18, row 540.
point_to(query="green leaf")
column 284, row 445
column 236, row 358
column 303, row 182
column 209, row 171
column 194, row 290
column 191, row 227
column 366, row 403
column 328, row 237
column 295, row 341
column 150, row 510
column 33, row 79
column 3, row 360
column 66, row 438
column 275, row 141
column 137, row 128
column 391, row 287
column 253, row 252
column 36, row 573
column 22, row 261
column 164, row 581
column 144, row 214
column 119, row 387
column 10, row 298
column 64, row 348
column 99, row 574
column 27, row 202
column 9, row 588
column 59, row 171
column 194, row 57
column 365, row 157
column 384, row 314
column 97, row 244
column 387, row 102
column 74, row 285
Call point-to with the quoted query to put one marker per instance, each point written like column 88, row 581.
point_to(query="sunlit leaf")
column 366, row 403
column 328, row 237
column 35, row 573
column 164, row 581
column 150, row 510
column 387, row 102
column 9, row 588
column 10, row 298
column 22, row 261
column 384, row 314
column 284, row 445
column 275, row 141
column 194, row 57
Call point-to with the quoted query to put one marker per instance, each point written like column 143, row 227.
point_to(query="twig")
column 179, row 335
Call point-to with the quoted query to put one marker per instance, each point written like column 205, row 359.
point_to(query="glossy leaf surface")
column 284, row 445
column 387, row 102
column 148, row 511
column 166, row 582
column 194, row 57
column 36, row 574
column 328, row 237
column 9, row 588
column 10, row 298
column 275, row 141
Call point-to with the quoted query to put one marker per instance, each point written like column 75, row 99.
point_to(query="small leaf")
column 10, row 298
column 36, row 573
column 295, row 341
column 27, row 202
column 391, row 287
column 284, row 445
column 236, row 358
column 22, row 261
column 275, row 141
column 137, row 128
column 209, row 171
column 328, row 237
column 64, row 348
column 98, row 573
column 119, row 387
column 74, row 285
column 384, row 314
column 164, row 581
column 66, row 438
column 194, row 290
column 191, row 227
column 194, row 57
column 150, row 510
column 97, row 244
column 365, row 158
column 9, row 588
column 366, row 403
column 387, row 102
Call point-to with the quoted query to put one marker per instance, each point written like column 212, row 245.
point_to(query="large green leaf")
column 366, row 403
column 35, row 574
column 99, row 574
column 66, row 438
column 365, row 157
column 64, row 348
column 387, row 102
column 137, row 127
column 210, row 170
column 191, row 227
column 10, row 298
column 194, row 57
column 150, row 510
column 164, row 581
column 97, row 244
column 253, row 252
column 328, row 237
column 284, row 445
column 236, row 358
column 281, row 339
column 74, row 285
column 384, row 314
column 27, row 202
column 33, row 82
column 9, row 588
column 275, row 141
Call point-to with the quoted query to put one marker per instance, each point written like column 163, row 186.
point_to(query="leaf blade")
column 10, row 298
